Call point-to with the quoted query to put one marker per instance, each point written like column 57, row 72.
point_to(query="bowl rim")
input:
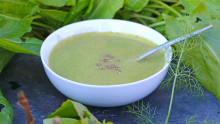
column 166, row 65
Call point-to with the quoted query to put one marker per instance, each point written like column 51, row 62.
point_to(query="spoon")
column 174, row 41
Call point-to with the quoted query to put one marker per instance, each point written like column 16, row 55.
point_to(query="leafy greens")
column 74, row 113
column 206, row 54
column 6, row 114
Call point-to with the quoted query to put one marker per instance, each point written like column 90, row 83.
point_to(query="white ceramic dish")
column 104, row 96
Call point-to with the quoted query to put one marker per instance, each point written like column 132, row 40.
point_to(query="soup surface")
column 104, row 58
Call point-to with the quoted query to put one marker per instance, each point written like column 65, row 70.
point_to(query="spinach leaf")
column 103, row 9
column 6, row 114
column 204, row 58
column 208, row 58
column 18, row 8
column 52, row 17
column 53, row 14
column 211, row 5
column 14, row 27
column 26, row 45
column 5, row 57
column 62, row 121
column 15, row 17
column 76, row 11
column 135, row 5
column 57, row 3
column 72, row 109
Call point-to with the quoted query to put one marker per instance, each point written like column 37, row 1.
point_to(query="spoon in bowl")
column 174, row 41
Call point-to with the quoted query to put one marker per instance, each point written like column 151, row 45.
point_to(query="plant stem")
column 155, row 6
column 152, row 10
column 176, row 4
column 143, row 17
column 171, row 1
column 75, row 11
column 141, row 21
column 157, row 24
column 174, row 83
column 167, row 7
column 42, row 25
column 36, row 17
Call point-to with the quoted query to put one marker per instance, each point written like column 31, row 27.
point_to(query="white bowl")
column 112, row 95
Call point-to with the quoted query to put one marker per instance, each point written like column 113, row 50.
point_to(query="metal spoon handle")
column 175, row 41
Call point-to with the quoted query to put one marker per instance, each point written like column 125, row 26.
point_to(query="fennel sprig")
column 144, row 113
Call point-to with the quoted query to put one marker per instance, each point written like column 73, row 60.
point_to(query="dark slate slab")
column 25, row 72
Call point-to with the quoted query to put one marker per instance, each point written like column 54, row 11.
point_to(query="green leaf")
column 76, row 11
column 104, row 9
column 53, row 14
column 66, row 110
column 205, row 56
column 62, row 121
column 52, row 17
column 175, row 27
column 18, row 8
column 12, row 27
column 211, row 5
column 28, row 45
column 201, row 12
column 5, row 57
column 7, row 113
column 71, row 3
column 57, row 3
column 72, row 109
column 189, row 5
column 213, row 8
column 15, row 17
column 135, row 5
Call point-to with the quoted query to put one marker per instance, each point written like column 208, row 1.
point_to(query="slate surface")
column 25, row 72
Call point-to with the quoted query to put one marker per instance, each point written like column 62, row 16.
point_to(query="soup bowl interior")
column 101, row 95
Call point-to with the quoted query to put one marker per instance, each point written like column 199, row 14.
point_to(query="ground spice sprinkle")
column 109, row 63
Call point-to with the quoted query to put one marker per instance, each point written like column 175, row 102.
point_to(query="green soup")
column 104, row 58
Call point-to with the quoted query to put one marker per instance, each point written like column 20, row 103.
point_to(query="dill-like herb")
column 144, row 113
column 192, row 119
column 181, row 75
column 208, row 120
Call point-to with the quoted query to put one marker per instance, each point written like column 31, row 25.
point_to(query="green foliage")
column 6, row 114
column 135, row 5
column 24, row 8
column 206, row 54
column 75, row 110
column 205, row 58
column 77, row 11
column 104, row 9
column 143, row 113
column 57, row 3
column 16, row 23
column 208, row 120
column 24, row 45
column 52, row 17
column 211, row 5
column 62, row 121
column 53, row 14
column 12, row 27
